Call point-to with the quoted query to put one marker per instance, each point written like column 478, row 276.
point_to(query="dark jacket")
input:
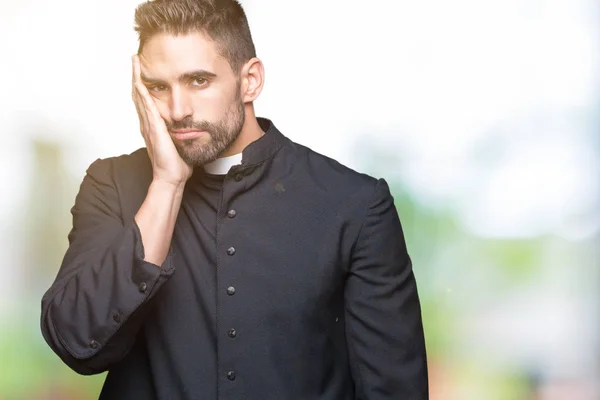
column 307, row 291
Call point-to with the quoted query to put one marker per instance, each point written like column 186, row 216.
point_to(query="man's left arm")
column 384, row 328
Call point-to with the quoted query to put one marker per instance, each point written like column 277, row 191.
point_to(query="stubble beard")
column 216, row 139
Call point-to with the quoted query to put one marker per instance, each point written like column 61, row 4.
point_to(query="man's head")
column 199, row 63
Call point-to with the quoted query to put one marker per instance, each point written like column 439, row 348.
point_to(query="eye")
column 199, row 81
column 157, row 88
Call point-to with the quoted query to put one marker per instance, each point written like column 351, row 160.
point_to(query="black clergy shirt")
column 288, row 279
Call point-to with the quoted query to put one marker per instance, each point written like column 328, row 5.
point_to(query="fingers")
column 137, row 88
column 152, row 125
column 137, row 75
column 136, row 70
column 149, row 106
column 141, row 114
column 136, row 96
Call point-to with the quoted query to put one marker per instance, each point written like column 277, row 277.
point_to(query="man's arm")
column 103, row 290
column 113, row 267
column 383, row 315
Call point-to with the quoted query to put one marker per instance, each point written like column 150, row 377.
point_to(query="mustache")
column 189, row 123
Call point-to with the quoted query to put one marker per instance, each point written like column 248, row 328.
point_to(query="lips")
column 186, row 134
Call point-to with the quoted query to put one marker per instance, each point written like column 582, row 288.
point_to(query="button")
column 231, row 251
column 143, row 287
column 232, row 333
column 231, row 375
column 117, row 317
column 239, row 177
column 94, row 344
column 231, row 213
column 231, row 290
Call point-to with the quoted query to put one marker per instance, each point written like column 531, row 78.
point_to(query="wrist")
column 167, row 186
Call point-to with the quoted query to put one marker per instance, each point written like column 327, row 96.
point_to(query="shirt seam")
column 117, row 192
column 360, row 387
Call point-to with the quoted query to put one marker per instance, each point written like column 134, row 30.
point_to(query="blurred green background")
column 484, row 117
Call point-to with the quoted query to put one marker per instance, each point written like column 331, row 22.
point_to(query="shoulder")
column 126, row 177
column 125, row 167
column 345, row 192
column 128, row 174
column 331, row 173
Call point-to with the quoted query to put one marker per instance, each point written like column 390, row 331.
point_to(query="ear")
column 252, row 80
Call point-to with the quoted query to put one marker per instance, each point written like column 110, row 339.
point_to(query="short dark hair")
column 223, row 21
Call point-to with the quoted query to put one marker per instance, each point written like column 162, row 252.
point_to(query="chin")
column 198, row 157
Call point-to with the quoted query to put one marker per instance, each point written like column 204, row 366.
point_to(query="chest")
column 279, row 247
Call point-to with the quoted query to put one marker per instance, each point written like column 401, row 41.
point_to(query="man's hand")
column 167, row 164
column 158, row 213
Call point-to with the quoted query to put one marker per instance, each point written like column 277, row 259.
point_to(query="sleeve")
column 383, row 315
column 94, row 309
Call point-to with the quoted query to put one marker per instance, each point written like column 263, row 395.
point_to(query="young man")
column 223, row 260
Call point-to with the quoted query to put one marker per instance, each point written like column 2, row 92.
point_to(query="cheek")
column 162, row 104
column 209, row 105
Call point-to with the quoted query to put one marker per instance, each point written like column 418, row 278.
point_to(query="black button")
column 117, row 317
column 94, row 344
column 231, row 290
column 231, row 213
column 232, row 333
column 143, row 287
column 239, row 177
column 231, row 251
column 231, row 375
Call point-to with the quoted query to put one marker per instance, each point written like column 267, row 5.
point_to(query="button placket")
column 229, row 213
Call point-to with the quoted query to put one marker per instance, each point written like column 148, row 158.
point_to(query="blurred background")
column 483, row 115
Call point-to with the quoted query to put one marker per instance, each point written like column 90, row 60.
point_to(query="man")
column 224, row 261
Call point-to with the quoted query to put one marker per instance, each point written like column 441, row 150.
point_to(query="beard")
column 218, row 137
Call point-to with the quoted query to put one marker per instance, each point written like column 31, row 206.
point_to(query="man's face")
column 196, row 92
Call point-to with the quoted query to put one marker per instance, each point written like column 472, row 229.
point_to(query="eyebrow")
column 200, row 73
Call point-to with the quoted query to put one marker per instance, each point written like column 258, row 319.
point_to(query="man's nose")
column 180, row 105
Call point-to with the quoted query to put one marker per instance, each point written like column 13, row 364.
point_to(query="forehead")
column 166, row 56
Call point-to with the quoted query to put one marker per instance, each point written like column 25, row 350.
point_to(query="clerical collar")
column 255, row 153
column 264, row 147
column 222, row 165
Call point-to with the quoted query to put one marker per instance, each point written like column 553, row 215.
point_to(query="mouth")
column 184, row 134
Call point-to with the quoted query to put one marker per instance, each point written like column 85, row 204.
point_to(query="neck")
column 250, row 132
